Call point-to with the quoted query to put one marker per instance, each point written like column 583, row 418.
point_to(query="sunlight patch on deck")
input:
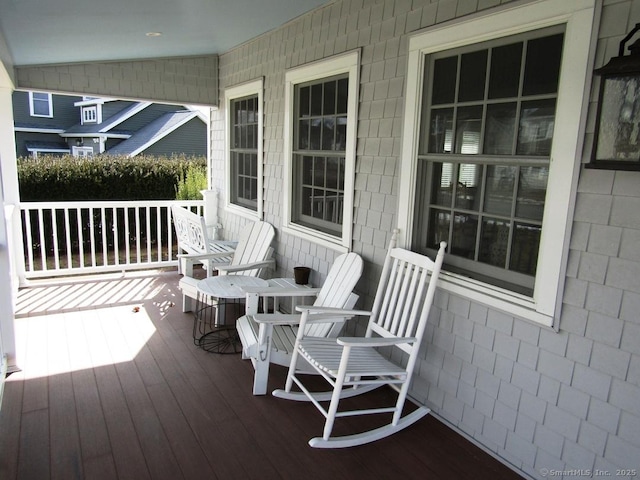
column 77, row 325
column 71, row 341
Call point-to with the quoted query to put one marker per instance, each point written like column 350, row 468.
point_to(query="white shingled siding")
column 536, row 398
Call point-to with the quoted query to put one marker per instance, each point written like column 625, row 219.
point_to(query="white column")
column 11, row 256
column 211, row 211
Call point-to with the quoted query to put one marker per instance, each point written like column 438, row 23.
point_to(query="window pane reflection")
column 542, row 67
column 463, row 241
column 441, row 131
column 469, row 124
column 537, row 119
column 498, row 197
column 468, row 186
column 494, row 242
column 440, row 223
column 532, row 188
column 499, row 129
column 524, row 250
column 505, row 71
column 473, row 74
column 444, row 80
column 442, row 184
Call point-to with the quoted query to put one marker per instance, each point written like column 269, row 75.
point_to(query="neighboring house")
column 39, row 120
column 87, row 126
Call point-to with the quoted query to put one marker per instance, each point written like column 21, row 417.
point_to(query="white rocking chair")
column 269, row 337
column 353, row 365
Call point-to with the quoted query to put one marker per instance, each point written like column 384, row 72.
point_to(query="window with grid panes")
column 41, row 104
column 243, row 151
column 318, row 155
column 488, row 113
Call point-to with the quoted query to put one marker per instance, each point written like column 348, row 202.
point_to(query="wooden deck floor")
column 112, row 387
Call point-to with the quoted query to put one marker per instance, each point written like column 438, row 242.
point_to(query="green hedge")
column 104, row 177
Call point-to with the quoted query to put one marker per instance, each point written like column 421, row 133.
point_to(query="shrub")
column 103, row 177
column 192, row 183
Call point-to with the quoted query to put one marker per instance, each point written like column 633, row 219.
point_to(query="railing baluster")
column 116, row 239
column 26, row 222
column 127, row 234
column 54, row 232
column 148, row 230
column 67, row 228
column 92, row 237
column 137, row 235
column 80, row 237
column 159, row 232
column 169, row 236
column 43, row 247
column 105, row 260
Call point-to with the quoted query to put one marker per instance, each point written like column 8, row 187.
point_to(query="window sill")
column 512, row 303
column 314, row 236
column 243, row 212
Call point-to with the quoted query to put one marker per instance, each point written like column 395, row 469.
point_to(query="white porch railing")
column 67, row 238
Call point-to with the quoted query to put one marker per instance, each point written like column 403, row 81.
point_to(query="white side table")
column 219, row 304
column 286, row 283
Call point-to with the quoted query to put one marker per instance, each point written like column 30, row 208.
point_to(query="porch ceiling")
column 45, row 32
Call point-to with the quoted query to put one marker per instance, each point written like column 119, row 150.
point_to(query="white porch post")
column 210, row 198
column 11, row 256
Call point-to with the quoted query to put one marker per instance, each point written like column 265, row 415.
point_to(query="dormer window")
column 89, row 114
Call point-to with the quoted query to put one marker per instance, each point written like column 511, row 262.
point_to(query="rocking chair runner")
column 353, row 365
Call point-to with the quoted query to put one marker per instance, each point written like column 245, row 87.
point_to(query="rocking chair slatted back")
column 406, row 299
column 355, row 365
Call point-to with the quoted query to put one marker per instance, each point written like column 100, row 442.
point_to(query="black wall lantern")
column 617, row 136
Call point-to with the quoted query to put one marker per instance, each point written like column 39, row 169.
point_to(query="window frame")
column 484, row 160
column 82, row 152
column 543, row 306
column 347, row 63
column 90, row 114
column 49, row 104
column 254, row 87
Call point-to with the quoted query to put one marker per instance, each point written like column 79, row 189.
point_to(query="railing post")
column 210, row 213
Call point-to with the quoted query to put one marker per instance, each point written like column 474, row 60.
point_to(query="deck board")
column 66, row 453
column 112, row 387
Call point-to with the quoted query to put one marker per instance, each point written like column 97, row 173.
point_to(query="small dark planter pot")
column 301, row 275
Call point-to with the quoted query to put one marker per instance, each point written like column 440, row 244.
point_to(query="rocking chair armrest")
column 224, row 269
column 294, row 318
column 373, row 342
column 314, row 311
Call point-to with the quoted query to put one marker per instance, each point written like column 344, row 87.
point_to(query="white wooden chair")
column 269, row 338
column 195, row 246
column 251, row 255
column 355, row 365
